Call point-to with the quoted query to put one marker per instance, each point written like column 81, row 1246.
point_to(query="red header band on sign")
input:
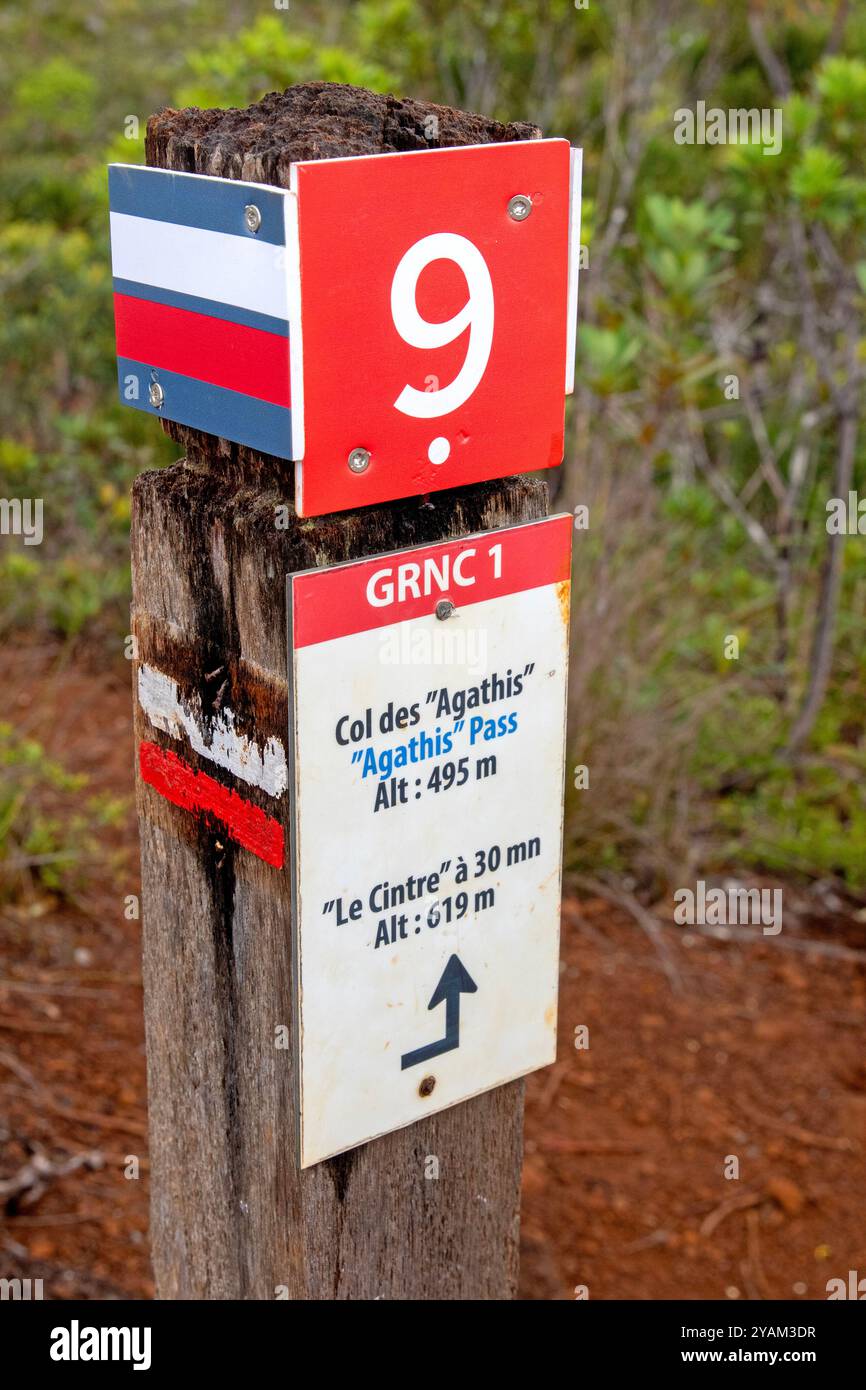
column 368, row 594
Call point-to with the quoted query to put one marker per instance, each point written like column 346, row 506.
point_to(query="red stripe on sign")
column 369, row 594
column 231, row 355
column 196, row 791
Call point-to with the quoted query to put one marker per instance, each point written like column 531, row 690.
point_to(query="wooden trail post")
column 233, row 1214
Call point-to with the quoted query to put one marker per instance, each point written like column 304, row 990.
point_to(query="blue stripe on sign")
column 232, row 313
column 195, row 200
column 229, row 414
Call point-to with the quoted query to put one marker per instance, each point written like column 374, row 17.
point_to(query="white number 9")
column 477, row 314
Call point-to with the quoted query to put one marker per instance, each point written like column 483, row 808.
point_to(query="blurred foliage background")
column 720, row 372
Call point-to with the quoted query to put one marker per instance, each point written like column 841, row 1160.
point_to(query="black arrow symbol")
column 455, row 980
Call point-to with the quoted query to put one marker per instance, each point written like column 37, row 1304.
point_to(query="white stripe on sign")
column 159, row 698
column 212, row 265
column 575, row 184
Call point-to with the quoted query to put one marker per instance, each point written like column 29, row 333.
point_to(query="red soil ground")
column 759, row 1055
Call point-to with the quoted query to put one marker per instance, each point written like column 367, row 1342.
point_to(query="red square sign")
column 434, row 344
column 395, row 324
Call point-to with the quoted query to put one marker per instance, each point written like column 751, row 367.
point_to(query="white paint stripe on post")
column 211, row 265
column 159, row 698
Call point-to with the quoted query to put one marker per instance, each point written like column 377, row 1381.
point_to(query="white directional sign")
column 428, row 693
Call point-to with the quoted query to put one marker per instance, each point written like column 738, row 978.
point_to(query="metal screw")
column 359, row 460
column 519, row 207
column 156, row 395
column 252, row 217
column 444, row 609
column 426, row 1087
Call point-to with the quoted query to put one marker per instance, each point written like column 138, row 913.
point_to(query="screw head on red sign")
column 519, row 207
column 359, row 460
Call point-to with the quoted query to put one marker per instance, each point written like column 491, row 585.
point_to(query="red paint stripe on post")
column 231, row 355
column 196, row 791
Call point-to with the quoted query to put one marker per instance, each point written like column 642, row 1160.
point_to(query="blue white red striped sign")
column 202, row 303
